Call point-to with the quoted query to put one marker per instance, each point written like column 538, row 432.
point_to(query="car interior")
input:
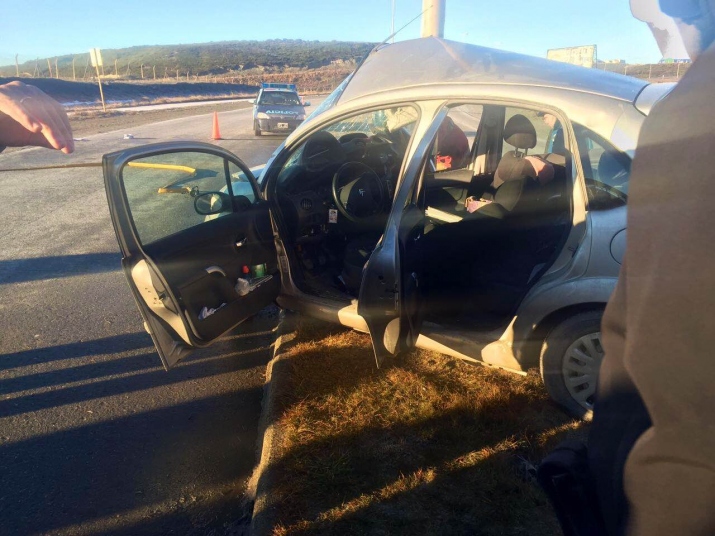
column 334, row 194
column 496, row 213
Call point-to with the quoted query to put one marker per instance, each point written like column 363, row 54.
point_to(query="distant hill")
column 204, row 58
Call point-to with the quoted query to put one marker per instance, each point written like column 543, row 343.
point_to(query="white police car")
column 277, row 109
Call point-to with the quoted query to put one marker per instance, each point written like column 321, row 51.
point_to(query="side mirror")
column 306, row 103
column 209, row 203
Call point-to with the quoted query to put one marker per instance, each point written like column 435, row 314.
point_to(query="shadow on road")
column 195, row 368
column 17, row 271
column 97, row 471
column 106, row 345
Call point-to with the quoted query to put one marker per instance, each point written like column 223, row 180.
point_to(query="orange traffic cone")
column 216, row 135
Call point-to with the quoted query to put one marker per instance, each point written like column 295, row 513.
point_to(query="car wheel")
column 570, row 362
column 256, row 129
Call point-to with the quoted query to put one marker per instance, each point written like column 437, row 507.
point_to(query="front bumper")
column 278, row 125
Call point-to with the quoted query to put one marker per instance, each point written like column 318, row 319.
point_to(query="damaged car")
column 447, row 196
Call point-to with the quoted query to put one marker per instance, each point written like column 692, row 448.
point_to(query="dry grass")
column 427, row 445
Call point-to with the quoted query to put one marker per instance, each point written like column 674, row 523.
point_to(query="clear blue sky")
column 42, row 28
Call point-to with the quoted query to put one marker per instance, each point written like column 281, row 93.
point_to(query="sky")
column 51, row 28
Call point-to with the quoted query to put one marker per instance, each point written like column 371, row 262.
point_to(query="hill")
column 201, row 59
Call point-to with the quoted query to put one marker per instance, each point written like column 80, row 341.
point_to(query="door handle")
column 241, row 243
column 215, row 270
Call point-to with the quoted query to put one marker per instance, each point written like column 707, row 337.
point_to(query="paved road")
column 95, row 438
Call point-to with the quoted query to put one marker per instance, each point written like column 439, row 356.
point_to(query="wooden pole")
column 36, row 72
column 116, row 73
column 101, row 92
column 177, row 75
column 677, row 75
column 141, row 68
column 17, row 67
column 74, row 74
column 650, row 72
column 86, row 67
column 128, row 71
column 49, row 67
column 154, row 69
column 57, row 71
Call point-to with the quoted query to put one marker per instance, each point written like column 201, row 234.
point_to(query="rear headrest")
column 520, row 132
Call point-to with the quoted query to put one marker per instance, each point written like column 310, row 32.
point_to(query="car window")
column 378, row 138
column 606, row 169
column 240, row 185
column 547, row 128
column 455, row 138
column 330, row 100
column 162, row 192
column 284, row 98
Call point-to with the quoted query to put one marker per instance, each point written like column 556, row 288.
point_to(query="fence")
column 656, row 72
column 308, row 80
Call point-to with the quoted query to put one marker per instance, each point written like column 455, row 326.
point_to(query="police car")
column 277, row 109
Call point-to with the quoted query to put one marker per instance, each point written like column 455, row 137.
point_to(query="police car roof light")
column 273, row 85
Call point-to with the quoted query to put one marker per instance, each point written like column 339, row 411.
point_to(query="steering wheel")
column 358, row 192
column 321, row 150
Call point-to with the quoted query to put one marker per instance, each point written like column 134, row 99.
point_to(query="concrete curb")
column 269, row 434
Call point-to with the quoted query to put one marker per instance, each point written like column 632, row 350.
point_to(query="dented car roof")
column 433, row 61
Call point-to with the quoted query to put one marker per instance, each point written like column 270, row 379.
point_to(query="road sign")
column 96, row 56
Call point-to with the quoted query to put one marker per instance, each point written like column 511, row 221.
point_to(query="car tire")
column 256, row 129
column 571, row 358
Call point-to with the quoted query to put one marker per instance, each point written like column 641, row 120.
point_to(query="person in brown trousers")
column 649, row 468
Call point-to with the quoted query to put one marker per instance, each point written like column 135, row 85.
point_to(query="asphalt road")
column 95, row 438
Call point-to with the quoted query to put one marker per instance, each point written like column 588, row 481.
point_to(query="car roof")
column 432, row 61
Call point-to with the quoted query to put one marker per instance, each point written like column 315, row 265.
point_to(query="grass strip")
column 426, row 445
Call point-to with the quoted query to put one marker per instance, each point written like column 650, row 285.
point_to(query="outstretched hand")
column 29, row 116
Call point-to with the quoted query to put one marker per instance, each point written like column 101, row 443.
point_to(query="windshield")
column 284, row 98
column 331, row 99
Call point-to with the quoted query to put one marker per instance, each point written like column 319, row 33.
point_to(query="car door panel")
column 184, row 282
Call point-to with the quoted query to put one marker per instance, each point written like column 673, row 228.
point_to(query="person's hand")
column 29, row 116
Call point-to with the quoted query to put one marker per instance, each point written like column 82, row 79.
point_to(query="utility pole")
column 141, row 68
column 49, row 67
column 154, row 69
column 17, row 67
column 57, row 71
column 433, row 18
column 74, row 74
column 116, row 73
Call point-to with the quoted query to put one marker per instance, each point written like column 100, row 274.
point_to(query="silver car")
column 446, row 196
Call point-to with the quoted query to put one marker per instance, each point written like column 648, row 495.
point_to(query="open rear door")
column 196, row 241
column 391, row 294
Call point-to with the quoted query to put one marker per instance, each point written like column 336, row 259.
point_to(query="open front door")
column 391, row 294
column 196, row 241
